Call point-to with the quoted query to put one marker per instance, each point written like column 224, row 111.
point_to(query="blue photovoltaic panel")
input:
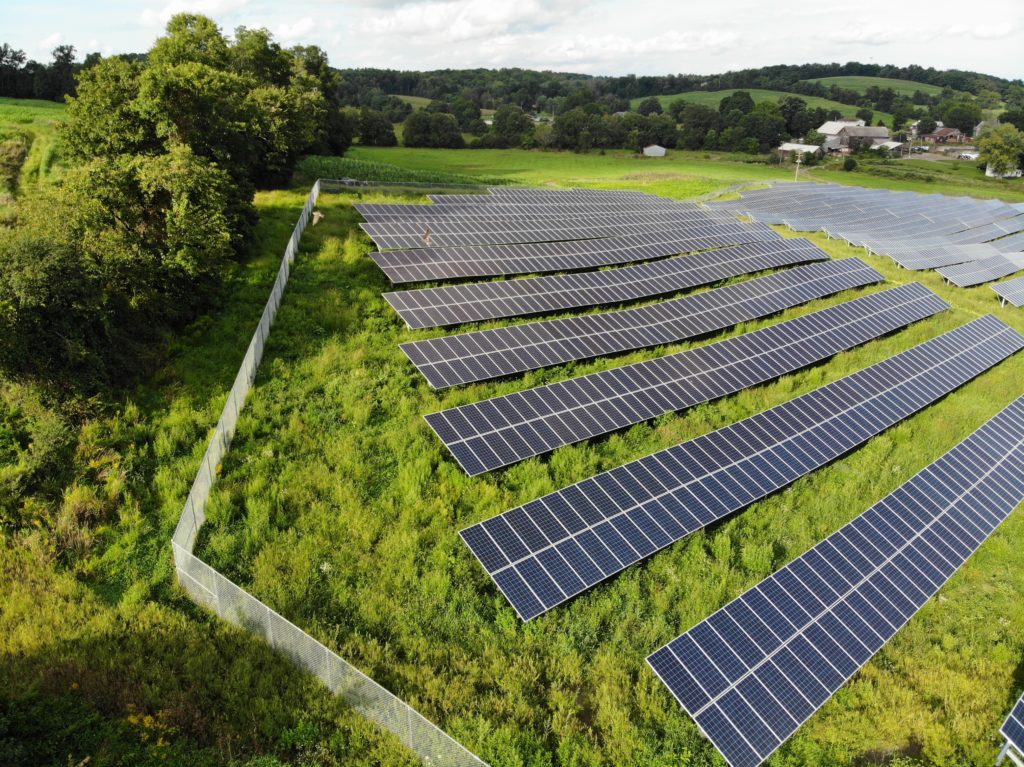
column 1013, row 727
column 573, row 255
column 475, row 302
column 496, row 432
column 757, row 669
column 551, row 549
column 1011, row 291
column 483, row 354
column 398, row 212
column 477, row 231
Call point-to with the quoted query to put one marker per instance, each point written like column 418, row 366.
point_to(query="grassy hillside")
column 685, row 174
column 416, row 102
column 712, row 98
column 861, row 84
column 37, row 121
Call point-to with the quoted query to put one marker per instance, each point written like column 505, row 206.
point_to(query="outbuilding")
column 653, row 150
column 785, row 150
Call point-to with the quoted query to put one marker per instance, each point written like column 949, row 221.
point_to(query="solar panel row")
column 452, row 305
column 986, row 270
column 497, row 432
column 1011, row 291
column 483, row 354
column 1013, row 727
column 402, row 234
column 551, row 549
column 378, row 212
column 754, row 671
column 531, row 258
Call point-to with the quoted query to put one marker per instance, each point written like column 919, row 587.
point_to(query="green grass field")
column 712, row 98
column 416, row 102
column 341, row 509
column 861, row 84
column 38, row 120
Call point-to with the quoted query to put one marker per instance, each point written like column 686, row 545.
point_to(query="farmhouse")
column 944, row 136
column 853, row 136
column 888, row 147
column 786, row 149
column 653, row 150
column 833, row 127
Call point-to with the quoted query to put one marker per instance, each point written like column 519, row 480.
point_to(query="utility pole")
column 796, row 176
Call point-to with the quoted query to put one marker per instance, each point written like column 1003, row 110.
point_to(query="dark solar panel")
column 478, row 231
column 1011, row 291
column 754, row 671
column 483, row 354
column 378, row 212
column 1013, row 727
column 456, row 304
column 531, row 258
column 516, row 426
column 986, row 270
column 551, row 549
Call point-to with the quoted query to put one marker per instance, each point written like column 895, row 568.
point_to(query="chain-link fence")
column 212, row 590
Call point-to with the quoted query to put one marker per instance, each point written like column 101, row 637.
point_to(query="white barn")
column 653, row 150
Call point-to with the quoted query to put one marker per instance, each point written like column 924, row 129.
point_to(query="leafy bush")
column 849, row 164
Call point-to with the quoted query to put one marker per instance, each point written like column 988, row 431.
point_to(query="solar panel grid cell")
column 530, row 258
column 986, row 270
column 523, row 424
column 431, row 307
column 483, row 354
column 623, row 515
column 753, row 672
column 480, row 231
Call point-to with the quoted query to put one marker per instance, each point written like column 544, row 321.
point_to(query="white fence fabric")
column 212, row 590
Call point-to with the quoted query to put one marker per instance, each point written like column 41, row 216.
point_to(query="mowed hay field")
column 862, row 83
column 712, row 99
column 339, row 507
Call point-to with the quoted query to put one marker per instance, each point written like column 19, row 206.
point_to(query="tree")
column 765, row 124
column 511, row 126
column 866, row 115
column 423, row 129
column 375, row 129
column 697, row 122
column 926, row 126
column 1013, row 117
column 794, row 111
column 961, row 114
column 650, row 106
column 740, row 101
column 1001, row 149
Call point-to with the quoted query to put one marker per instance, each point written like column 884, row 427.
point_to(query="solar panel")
column 531, row 258
column 1011, row 291
column 1013, row 728
column 483, row 354
column 551, row 549
column 754, row 671
column 455, row 304
column 480, row 231
column 1012, row 244
column 405, row 212
column 516, row 426
column 986, row 270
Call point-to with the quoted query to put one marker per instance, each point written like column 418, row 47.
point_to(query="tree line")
column 165, row 155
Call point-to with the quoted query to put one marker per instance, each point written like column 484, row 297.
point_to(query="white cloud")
column 451, row 21
column 295, row 30
column 158, row 17
column 51, row 41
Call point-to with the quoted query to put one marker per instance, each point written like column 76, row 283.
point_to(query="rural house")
column 653, row 150
column 944, row 136
column 788, row 148
column 853, row 136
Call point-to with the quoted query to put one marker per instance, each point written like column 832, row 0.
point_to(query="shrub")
column 849, row 164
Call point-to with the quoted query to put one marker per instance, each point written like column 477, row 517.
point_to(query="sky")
column 606, row 37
